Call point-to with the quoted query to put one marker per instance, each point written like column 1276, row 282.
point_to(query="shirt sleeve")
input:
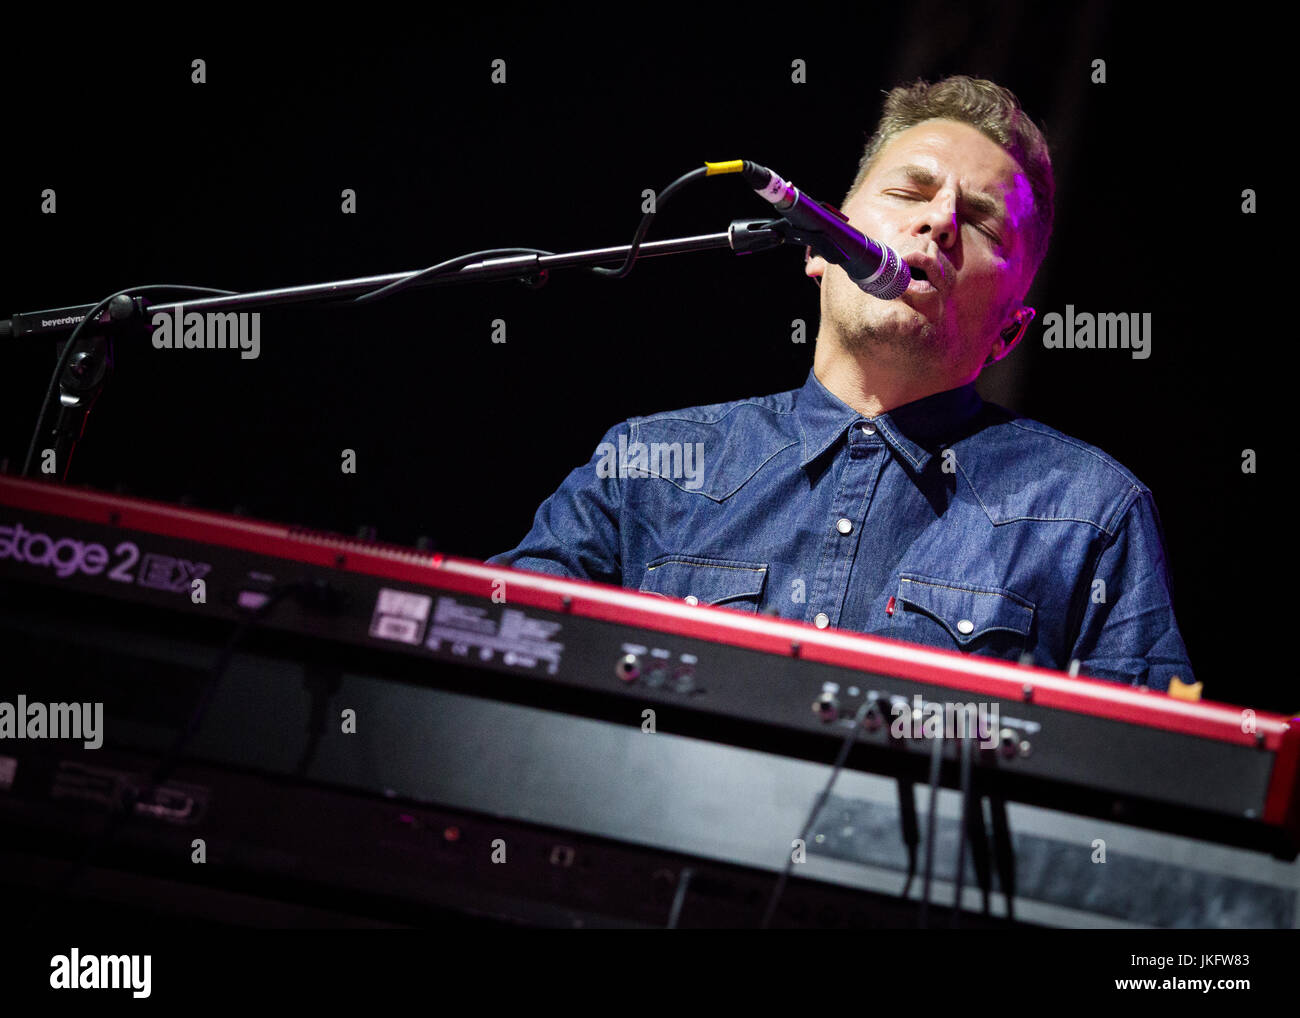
column 1128, row 632
column 576, row 531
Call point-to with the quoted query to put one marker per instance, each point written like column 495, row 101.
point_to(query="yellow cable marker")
column 1180, row 690
column 731, row 166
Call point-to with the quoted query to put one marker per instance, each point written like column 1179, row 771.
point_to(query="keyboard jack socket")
column 628, row 668
column 874, row 719
column 826, row 706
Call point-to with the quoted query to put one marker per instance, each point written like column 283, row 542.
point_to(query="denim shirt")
column 948, row 522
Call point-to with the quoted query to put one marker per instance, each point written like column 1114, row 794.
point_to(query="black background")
column 236, row 184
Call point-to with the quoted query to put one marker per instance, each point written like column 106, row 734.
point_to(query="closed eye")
column 912, row 196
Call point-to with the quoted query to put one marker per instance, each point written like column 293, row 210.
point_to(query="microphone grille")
column 892, row 280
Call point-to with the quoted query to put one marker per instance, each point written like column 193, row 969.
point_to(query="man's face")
column 956, row 206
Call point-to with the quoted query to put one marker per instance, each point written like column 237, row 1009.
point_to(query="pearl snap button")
column 965, row 627
column 822, row 620
column 868, row 429
column 692, row 599
column 844, row 526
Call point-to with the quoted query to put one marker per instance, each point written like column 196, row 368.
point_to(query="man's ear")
column 813, row 265
column 1012, row 334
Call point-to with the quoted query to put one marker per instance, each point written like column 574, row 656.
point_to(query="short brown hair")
column 991, row 109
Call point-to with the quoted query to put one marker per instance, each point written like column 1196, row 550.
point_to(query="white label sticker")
column 400, row 615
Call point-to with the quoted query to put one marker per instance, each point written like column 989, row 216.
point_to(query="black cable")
column 646, row 220
column 931, row 832
column 455, row 264
column 977, row 836
column 679, row 897
column 1004, row 853
column 817, row 808
column 444, row 268
column 441, row 268
column 66, row 353
column 165, row 767
column 966, row 751
column 911, row 830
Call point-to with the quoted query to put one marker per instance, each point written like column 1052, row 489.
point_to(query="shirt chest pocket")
column 977, row 619
column 723, row 582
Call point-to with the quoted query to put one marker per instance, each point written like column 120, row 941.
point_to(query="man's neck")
column 869, row 387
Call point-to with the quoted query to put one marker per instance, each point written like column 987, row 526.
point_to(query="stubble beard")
column 886, row 330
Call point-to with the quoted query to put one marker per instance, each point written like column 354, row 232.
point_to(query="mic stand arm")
column 90, row 364
column 742, row 236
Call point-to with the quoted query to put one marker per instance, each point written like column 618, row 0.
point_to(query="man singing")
column 884, row 496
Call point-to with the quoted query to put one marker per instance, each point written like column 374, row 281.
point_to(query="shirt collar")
column 915, row 430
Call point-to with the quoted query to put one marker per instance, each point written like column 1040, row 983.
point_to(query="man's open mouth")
column 921, row 280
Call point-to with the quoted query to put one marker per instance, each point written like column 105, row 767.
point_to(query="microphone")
column 877, row 269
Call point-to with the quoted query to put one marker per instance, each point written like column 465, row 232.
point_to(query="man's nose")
column 938, row 221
